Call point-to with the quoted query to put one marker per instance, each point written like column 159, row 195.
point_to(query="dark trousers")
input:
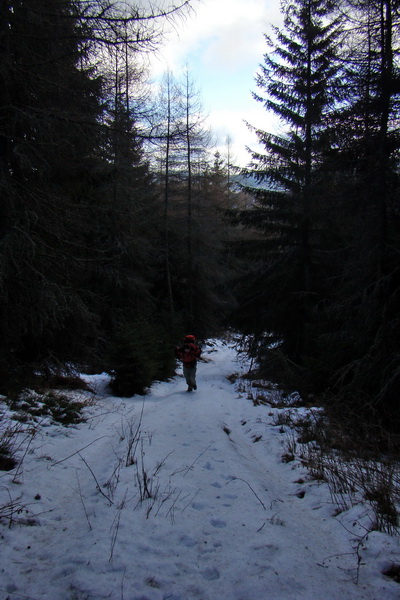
column 190, row 375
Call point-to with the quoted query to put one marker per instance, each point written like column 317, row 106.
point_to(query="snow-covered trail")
column 206, row 509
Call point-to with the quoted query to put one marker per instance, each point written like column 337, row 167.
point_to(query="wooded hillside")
column 121, row 228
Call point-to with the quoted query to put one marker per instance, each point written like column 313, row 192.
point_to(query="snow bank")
column 180, row 496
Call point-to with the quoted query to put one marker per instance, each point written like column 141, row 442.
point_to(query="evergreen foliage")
column 110, row 251
column 141, row 353
column 322, row 287
column 48, row 133
column 83, row 251
column 365, row 305
column 299, row 83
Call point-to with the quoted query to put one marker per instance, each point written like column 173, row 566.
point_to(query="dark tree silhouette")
column 298, row 81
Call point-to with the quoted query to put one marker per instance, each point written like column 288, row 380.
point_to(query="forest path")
column 178, row 496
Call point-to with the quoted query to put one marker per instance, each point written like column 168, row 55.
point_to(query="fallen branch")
column 187, row 469
column 247, row 483
column 77, row 452
column 83, row 504
column 98, row 487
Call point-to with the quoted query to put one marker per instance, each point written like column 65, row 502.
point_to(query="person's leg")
column 187, row 374
column 190, row 377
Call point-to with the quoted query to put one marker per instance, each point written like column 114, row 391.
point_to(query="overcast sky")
column 222, row 44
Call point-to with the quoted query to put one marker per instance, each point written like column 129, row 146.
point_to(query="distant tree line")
column 111, row 235
column 320, row 300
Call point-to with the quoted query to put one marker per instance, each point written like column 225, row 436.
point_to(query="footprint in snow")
column 187, row 541
column 211, row 574
column 228, row 477
column 198, row 506
column 230, row 496
column 218, row 523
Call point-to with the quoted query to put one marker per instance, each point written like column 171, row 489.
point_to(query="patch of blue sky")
column 222, row 44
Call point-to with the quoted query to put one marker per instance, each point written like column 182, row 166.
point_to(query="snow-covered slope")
column 181, row 496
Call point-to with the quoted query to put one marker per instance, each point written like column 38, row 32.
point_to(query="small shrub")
column 288, row 457
column 62, row 409
column 233, row 377
column 140, row 355
column 9, row 445
column 7, row 462
column 31, row 405
column 65, row 382
column 283, row 417
column 382, row 496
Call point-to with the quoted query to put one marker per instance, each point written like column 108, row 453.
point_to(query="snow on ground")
column 181, row 496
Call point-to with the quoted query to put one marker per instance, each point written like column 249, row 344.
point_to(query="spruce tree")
column 364, row 304
column 287, row 281
column 50, row 106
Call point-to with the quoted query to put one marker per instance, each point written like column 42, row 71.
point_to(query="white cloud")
column 232, row 123
column 222, row 43
column 220, row 32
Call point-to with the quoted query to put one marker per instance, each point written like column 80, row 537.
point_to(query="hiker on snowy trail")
column 188, row 353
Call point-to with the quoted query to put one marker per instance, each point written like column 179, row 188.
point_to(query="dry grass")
column 354, row 466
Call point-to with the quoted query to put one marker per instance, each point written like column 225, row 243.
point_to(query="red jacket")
column 188, row 353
